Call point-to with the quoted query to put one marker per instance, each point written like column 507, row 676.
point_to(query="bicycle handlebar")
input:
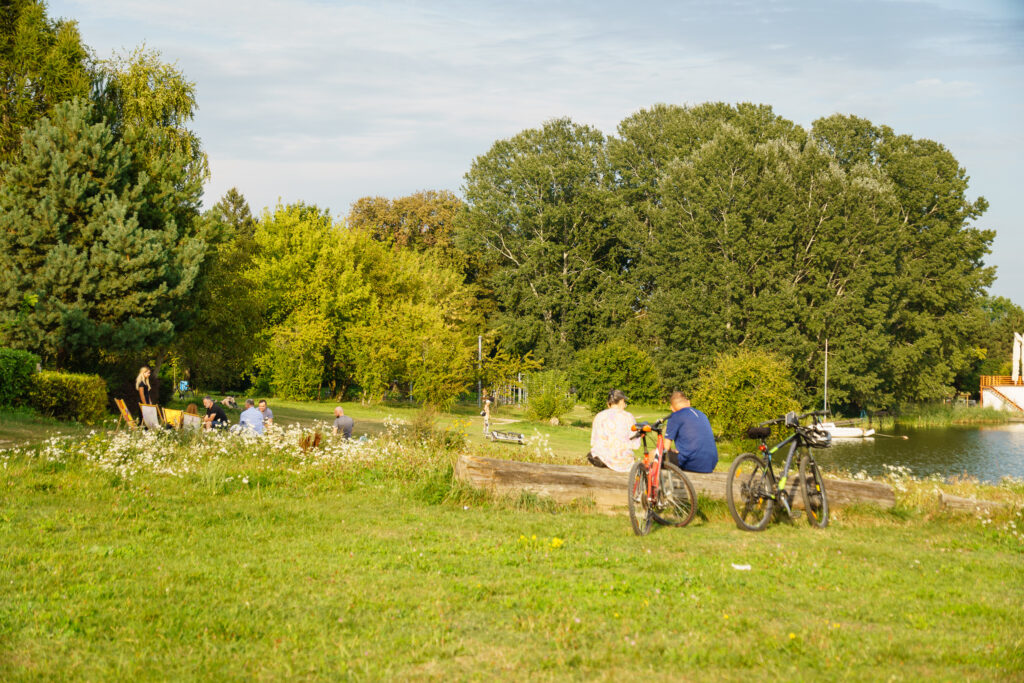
column 782, row 420
column 642, row 428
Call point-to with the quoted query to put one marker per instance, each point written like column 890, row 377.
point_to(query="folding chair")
column 174, row 417
column 150, row 416
column 190, row 421
column 125, row 415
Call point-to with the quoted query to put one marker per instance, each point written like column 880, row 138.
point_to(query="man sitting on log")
column 690, row 430
column 610, row 442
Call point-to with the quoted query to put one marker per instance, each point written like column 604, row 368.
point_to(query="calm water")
column 988, row 453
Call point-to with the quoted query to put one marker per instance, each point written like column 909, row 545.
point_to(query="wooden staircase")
column 1006, row 399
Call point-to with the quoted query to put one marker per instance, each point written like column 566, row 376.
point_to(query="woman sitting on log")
column 610, row 442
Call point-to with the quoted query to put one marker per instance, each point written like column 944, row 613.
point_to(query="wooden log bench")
column 952, row 502
column 567, row 483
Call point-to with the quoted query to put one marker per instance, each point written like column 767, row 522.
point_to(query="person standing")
column 690, row 431
column 343, row 424
column 251, row 419
column 611, row 444
column 142, row 385
column 486, row 413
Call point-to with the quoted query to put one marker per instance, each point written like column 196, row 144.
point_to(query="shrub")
column 70, row 396
column 16, row 371
column 743, row 388
column 548, row 395
column 615, row 365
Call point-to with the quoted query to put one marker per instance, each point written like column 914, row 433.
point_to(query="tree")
column 88, row 231
column 615, row 365
column 742, row 388
column 42, row 63
column 218, row 348
column 542, row 215
column 424, row 221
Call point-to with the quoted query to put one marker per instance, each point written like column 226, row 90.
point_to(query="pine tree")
column 92, row 260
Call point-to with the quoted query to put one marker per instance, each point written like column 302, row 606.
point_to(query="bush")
column 16, row 371
column 615, row 365
column 548, row 395
column 743, row 388
column 68, row 396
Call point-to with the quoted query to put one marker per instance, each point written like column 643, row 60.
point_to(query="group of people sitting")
column 254, row 418
column 687, row 429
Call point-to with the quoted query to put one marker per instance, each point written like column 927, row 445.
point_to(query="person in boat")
column 690, row 432
column 611, row 444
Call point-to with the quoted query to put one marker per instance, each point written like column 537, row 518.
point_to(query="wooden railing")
column 1000, row 381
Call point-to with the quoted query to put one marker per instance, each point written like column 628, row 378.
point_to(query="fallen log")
column 568, row 483
column 968, row 504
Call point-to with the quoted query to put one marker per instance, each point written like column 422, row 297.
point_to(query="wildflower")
column 792, row 636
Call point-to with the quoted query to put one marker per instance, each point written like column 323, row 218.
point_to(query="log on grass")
column 567, row 483
column 968, row 504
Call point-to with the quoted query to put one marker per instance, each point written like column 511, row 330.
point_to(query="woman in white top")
column 610, row 442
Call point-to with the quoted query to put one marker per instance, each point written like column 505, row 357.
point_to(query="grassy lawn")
column 271, row 569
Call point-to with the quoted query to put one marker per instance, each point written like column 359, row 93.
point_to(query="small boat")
column 845, row 432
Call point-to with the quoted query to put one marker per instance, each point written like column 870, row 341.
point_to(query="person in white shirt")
column 610, row 442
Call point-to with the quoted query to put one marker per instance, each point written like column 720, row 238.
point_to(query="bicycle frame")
column 794, row 442
column 652, row 465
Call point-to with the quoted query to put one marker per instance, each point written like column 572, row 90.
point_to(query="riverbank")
column 146, row 557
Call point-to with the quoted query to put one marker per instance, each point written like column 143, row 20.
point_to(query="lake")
column 988, row 453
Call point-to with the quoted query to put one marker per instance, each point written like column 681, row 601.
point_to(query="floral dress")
column 609, row 439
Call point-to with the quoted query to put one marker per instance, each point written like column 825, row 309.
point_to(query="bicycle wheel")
column 812, row 486
column 748, row 491
column 677, row 501
column 639, row 507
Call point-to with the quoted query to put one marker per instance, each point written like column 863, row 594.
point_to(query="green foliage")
column 219, row 348
column 615, row 365
column 424, row 221
column 744, row 388
column 92, row 235
column 548, row 395
column 17, row 369
column 42, row 63
column 70, row 396
column 341, row 308
column 543, row 216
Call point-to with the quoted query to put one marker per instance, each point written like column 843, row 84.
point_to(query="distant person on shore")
column 215, row 417
column 610, row 442
column 343, row 424
column 268, row 414
column 690, row 431
column 486, row 413
column 142, row 385
column 251, row 418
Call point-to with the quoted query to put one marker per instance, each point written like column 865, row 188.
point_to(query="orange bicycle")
column 658, row 491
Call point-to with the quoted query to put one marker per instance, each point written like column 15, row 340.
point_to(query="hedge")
column 16, row 371
column 68, row 396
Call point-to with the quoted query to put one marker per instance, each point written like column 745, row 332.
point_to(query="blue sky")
column 326, row 102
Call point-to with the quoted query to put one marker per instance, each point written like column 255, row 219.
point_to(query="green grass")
column 22, row 425
column 259, row 564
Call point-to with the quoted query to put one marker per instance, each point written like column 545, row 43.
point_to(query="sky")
column 326, row 102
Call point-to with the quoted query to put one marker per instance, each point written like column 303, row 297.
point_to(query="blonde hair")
column 141, row 378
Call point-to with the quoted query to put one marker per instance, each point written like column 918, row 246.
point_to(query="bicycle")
column 658, row 490
column 752, row 488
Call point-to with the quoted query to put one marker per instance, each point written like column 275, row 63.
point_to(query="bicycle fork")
column 779, row 494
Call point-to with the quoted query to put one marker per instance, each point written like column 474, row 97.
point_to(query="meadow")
column 165, row 556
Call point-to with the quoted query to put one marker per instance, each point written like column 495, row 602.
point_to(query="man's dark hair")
column 207, row 398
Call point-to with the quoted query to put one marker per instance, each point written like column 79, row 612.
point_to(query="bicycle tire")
column 639, row 507
column 812, row 487
column 677, row 501
column 747, row 492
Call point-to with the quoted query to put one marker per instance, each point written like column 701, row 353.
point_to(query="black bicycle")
column 752, row 488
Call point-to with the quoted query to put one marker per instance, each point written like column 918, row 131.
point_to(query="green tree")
column 548, row 395
column 88, row 232
column 42, row 63
column 615, row 365
column 743, row 388
column 542, row 215
column 424, row 221
column 219, row 347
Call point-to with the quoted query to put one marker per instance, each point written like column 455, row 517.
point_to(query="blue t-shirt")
column 253, row 419
column 691, row 431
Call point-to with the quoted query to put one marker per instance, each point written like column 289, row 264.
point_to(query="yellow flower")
column 556, row 542
column 792, row 636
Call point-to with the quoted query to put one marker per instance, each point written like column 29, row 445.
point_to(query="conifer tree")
column 92, row 260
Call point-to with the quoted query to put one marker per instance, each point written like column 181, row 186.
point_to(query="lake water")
column 988, row 453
